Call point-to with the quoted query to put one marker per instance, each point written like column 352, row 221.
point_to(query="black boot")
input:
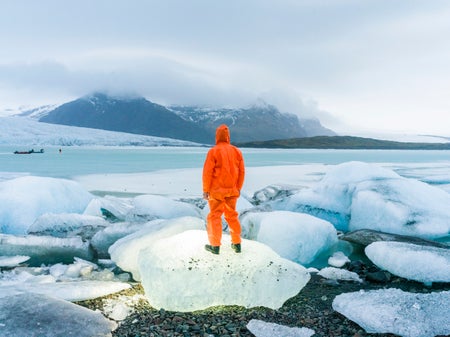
column 236, row 247
column 212, row 249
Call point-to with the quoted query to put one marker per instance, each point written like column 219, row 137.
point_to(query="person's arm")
column 241, row 176
column 208, row 169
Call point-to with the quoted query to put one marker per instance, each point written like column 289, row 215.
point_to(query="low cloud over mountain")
column 140, row 116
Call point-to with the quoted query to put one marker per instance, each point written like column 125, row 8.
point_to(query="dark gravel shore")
column 311, row 308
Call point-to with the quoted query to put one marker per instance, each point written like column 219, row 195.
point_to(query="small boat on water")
column 29, row 152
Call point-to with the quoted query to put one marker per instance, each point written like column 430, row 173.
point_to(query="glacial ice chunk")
column 357, row 195
column 150, row 207
column 67, row 225
column 333, row 273
column 24, row 199
column 398, row 312
column 414, row 262
column 45, row 249
column 265, row 329
column 32, row 314
column 106, row 237
column 179, row 274
column 125, row 251
column 12, row 261
column 294, row 236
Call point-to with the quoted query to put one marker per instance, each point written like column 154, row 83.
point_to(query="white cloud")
column 379, row 63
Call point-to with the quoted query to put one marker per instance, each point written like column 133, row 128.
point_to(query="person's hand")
column 206, row 195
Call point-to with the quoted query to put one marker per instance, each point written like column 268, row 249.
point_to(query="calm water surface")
column 73, row 161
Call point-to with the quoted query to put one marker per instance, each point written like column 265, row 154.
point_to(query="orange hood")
column 222, row 134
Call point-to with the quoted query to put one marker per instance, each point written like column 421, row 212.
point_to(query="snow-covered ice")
column 189, row 278
column 29, row 132
column 398, row 312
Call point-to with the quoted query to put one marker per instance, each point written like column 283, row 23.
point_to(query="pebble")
column 311, row 308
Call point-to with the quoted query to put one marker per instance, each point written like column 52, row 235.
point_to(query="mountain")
column 140, row 116
column 257, row 123
column 131, row 115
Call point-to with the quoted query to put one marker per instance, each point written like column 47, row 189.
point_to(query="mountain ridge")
column 132, row 115
column 139, row 116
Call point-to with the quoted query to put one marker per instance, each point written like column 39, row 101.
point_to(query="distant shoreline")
column 342, row 143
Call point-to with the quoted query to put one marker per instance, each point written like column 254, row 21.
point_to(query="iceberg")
column 178, row 274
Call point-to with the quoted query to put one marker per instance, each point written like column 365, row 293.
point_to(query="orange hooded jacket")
column 223, row 171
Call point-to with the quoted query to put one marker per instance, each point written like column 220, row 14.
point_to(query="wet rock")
column 367, row 236
column 379, row 276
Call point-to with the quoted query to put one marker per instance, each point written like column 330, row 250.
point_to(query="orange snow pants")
column 214, row 220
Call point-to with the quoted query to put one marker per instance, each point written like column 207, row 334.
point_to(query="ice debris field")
column 60, row 243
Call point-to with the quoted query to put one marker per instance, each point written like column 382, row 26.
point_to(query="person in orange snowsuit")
column 223, row 177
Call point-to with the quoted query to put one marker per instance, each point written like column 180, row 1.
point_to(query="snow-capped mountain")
column 132, row 115
column 140, row 116
column 258, row 122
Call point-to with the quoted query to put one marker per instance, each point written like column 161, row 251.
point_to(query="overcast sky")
column 379, row 65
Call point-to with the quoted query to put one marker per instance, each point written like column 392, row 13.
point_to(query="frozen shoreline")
column 311, row 308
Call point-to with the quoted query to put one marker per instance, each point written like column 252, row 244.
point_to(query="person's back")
column 223, row 177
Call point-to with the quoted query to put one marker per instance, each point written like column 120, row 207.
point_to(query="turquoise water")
column 73, row 161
